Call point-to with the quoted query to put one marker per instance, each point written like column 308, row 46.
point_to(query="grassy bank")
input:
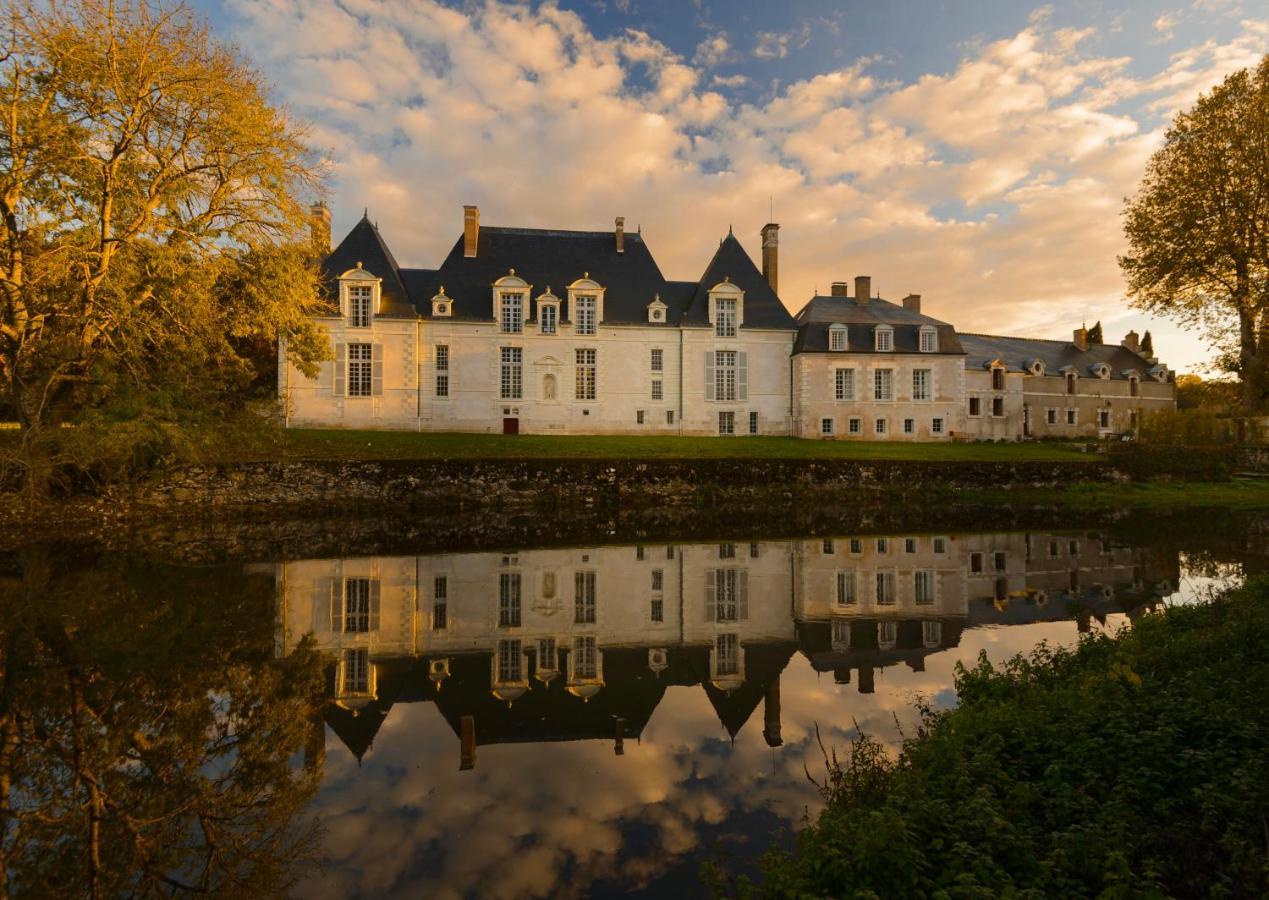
column 1131, row 766
column 339, row 444
column 1160, row 495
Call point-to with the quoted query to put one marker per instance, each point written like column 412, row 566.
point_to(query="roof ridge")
column 519, row 229
column 1010, row 337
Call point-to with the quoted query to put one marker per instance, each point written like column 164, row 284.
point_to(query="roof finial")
column 359, row 264
column 729, row 232
column 365, row 213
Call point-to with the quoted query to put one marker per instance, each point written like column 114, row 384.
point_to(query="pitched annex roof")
column 861, row 321
column 762, row 308
column 555, row 259
column 366, row 246
column 1018, row 354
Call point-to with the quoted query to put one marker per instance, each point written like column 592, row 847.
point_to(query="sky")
column 977, row 153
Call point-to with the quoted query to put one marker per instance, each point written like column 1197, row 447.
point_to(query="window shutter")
column 374, row 605
column 321, row 606
column 742, row 595
column 742, row 376
column 341, row 369
column 376, row 370
column 709, row 374
column 711, row 592
column 337, row 604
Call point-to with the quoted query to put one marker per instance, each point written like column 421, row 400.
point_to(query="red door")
column 510, row 425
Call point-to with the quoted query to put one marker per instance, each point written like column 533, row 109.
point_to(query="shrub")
column 1141, row 461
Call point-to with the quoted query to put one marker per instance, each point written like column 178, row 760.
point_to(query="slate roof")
column 861, row 321
column 1018, row 353
column 553, row 259
column 365, row 245
column 762, row 308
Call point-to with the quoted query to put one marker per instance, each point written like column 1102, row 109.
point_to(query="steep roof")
column 555, row 259
column 861, row 321
column 763, row 308
column 1018, row 353
column 365, row 246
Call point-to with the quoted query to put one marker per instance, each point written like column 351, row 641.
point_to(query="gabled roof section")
column 861, row 321
column 366, row 246
column 1017, row 354
column 763, row 308
column 547, row 258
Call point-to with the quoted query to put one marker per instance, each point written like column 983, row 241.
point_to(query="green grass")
column 371, row 445
column 1156, row 495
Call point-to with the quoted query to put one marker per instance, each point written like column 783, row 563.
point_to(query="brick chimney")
column 1081, row 338
column 471, row 229
column 1132, row 342
column 319, row 228
column 863, row 289
column 912, row 303
column 621, row 234
column 770, row 255
column 838, row 289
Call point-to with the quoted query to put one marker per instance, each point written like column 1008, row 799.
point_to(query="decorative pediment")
column 511, row 281
column 725, row 288
column 657, row 309
column 1130, row 373
column 548, row 362
column 442, row 304
column 360, row 274
column 585, row 285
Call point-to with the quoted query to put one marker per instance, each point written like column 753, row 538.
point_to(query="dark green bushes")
column 1132, row 766
column 1141, row 461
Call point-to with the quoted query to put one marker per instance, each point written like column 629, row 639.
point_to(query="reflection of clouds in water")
column 536, row 819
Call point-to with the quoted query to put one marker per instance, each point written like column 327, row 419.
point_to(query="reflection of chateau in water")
column 581, row 643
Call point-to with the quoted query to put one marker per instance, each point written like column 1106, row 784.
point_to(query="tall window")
column 509, row 600
column 922, row 384
column 585, row 374
column 658, row 609
column 726, row 423
column 728, row 654
column 658, row 579
column 929, row 340
column 356, row 671
column 997, row 379
column 512, row 385
column 359, row 305
column 1070, row 417
column 1134, row 387
column 357, row 605
column 725, row 375
column 440, row 603
column 883, row 384
column 585, row 318
column 658, row 360
column 546, row 654
column 584, row 598
column 725, row 318
column 975, row 406
column 997, row 406
column 360, row 370
column 845, row 588
column 753, row 423
column 844, row 384
column 924, row 586
column 442, row 370
column 1070, row 382
column 885, row 588
column 729, row 605
column 887, row 634
column 884, row 339
column 585, row 659
column 549, row 316
column 509, row 660
column 658, row 390
column 512, row 320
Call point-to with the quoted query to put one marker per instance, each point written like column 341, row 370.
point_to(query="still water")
column 551, row 721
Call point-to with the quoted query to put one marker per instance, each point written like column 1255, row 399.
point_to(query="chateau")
column 523, row 330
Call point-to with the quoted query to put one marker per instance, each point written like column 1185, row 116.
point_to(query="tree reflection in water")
column 150, row 737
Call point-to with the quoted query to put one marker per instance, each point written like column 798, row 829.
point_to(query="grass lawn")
column 341, row 444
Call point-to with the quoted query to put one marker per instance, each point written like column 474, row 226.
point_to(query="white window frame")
column 826, row 426
column 585, row 313
column 936, row 425
column 548, row 317
column 442, row 371
column 586, row 374
column 886, row 587
column 855, row 425
column 726, row 422
column 511, row 373
column 847, row 588
column 838, row 338
column 844, row 384
column 883, row 339
column 924, row 587
column 511, row 304
column 880, row 425
column 922, row 385
column 361, row 367
column 928, row 339
column 883, row 385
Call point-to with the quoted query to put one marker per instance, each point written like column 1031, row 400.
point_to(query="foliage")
column 1095, row 334
column 1147, row 345
column 152, row 239
column 1144, row 460
column 1212, row 395
column 1198, row 227
column 1131, row 766
column 149, row 732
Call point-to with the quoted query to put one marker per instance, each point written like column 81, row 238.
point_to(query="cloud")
column 1014, row 162
column 771, row 45
column 1166, row 26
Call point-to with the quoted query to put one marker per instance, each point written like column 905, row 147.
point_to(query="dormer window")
column 997, row 378
column 1101, row 370
column 586, row 299
column 928, row 339
column 726, row 309
column 359, row 297
column 883, row 339
column 442, row 304
column 1036, row 367
column 656, row 310
column 837, row 337
column 1071, row 381
column 511, row 305
column 548, row 313
column 1134, row 385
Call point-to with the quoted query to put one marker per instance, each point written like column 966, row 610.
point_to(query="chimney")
column 770, row 255
column 912, row 303
column 865, row 680
column 621, row 234
column 771, row 714
column 471, row 229
column 838, row 289
column 1081, row 338
column 467, row 738
column 863, row 288
column 319, row 228
column 1132, row 342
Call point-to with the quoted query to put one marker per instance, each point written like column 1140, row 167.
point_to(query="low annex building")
column 578, row 332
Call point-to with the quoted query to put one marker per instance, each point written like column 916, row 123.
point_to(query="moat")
column 368, row 720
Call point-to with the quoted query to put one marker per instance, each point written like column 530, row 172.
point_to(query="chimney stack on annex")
column 912, row 303
column 1132, row 342
column 471, row 230
column 863, row 289
column 771, row 255
column 1080, row 338
column 319, row 227
column 837, row 289
column 621, row 234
